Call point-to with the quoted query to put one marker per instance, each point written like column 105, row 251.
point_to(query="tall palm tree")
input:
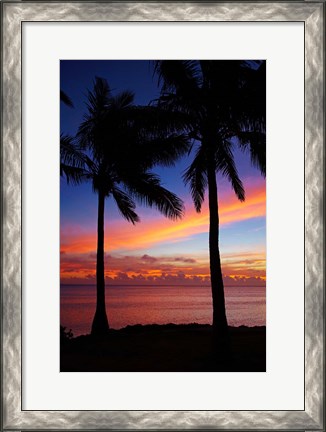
column 115, row 147
column 225, row 105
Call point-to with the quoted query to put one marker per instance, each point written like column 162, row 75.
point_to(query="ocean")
column 129, row 305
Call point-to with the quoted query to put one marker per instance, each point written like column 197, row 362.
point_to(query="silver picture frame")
column 13, row 14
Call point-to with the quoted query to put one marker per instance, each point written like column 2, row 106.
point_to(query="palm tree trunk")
column 220, row 324
column 100, row 324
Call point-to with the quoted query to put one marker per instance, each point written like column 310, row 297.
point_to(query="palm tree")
column 115, row 147
column 225, row 105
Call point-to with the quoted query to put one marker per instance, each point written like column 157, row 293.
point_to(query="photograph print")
column 163, row 216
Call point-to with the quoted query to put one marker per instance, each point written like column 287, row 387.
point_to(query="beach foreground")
column 166, row 348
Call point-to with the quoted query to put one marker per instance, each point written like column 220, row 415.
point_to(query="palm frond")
column 196, row 177
column 92, row 132
column 66, row 99
column 226, row 166
column 122, row 100
column 75, row 165
column 98, row 99
column 249, row 107
column 188, row 104
column 125, row 205
column 163, row 151
column 255, row 143
column 178, row 75
column 147, row 190
column 73, row 175
column 157, row 120
column 70, row 154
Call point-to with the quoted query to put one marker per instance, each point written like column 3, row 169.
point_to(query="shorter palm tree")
column 115, row 148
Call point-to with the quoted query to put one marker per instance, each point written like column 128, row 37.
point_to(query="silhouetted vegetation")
column 65, row 335
column 115, row 148
column 166, row 348
column 224, row 103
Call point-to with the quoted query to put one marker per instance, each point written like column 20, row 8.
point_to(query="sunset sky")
column 155, row 251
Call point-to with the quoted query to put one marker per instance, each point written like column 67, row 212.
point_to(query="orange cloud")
column 148, row 268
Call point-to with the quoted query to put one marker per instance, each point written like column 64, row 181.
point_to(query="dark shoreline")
column 166, row 348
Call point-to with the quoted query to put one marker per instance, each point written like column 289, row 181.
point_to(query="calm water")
column 128, row 305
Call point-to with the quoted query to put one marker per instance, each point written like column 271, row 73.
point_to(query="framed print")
column 133, row 297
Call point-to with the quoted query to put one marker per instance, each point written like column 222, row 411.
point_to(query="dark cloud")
column 148, row 258
column 185, row 260
column 168, row 270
